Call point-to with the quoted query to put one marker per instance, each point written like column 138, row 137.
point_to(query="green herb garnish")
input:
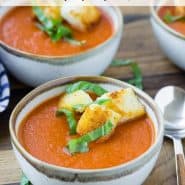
column 138, row 79
column 54, row 28
column 169, row 18
column 80, row 107
column 80, row 144
column 102, row 101
column 70, row 119
column 24, row 180
column 86, row 86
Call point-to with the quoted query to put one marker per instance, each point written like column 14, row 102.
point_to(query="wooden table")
column 138, row 43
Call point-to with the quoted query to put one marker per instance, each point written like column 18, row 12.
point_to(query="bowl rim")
column 133, row 164
column 164, row 25
column 66, row 58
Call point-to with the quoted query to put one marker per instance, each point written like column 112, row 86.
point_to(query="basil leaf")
column 74, row 146
column 70, row 119
column 48, row 23
column 138, row 79
column 86, row 86
column 169, row 18
column 54, row 28
column 120, row 62
column 41, row 27
column 80, row 144
column 61, row 31
column 24, row 180
column 137, row 75
column 79, row 107
column 101, row 101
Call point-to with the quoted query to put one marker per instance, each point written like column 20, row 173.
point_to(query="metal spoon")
column 171, row 101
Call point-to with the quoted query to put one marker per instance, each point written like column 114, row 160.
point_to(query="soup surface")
column 44, row 136
column 18, row 30
column 178, row 26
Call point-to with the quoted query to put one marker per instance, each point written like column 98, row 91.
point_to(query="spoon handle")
column 180, row 169
column 180, row 164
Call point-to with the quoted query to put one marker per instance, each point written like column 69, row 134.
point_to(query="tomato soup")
column 178, row 26
column 44, row 136
column 18, row 29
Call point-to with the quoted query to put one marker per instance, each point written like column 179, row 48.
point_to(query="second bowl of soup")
column 169, row 32
column 34, row 58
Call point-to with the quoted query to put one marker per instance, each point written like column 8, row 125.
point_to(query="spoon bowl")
column 171, row 101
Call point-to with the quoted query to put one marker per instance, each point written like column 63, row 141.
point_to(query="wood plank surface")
column 138, row 43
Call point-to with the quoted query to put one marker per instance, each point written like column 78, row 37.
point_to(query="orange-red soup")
column 44, row 136
column 18, row 30
column 178, row 26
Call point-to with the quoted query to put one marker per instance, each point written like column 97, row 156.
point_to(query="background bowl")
column 42, row 173
column 35, row 70
column 171, row 42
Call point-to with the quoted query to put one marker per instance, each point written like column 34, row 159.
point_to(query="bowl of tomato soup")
column 169, row 34
column 39, row 137
column 33, row 58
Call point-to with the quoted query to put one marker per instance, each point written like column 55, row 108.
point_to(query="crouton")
column 180, row 10
column 52, row 12
column 126, row 103
column 79, row 97
column 94, row 117
column 80, row 17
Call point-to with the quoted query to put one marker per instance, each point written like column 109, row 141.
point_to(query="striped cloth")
column 4, row 89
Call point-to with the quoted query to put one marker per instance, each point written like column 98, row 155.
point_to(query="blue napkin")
column 4, row 89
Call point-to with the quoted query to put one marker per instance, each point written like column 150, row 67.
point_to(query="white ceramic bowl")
column 35, row 70
column 41, row 173
column 171, row 42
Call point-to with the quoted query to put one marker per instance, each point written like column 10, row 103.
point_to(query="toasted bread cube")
column 79, row 97
column 52, row 12
column 126, row 103
column 180, row 10
column 94, row 117
column 80, row 17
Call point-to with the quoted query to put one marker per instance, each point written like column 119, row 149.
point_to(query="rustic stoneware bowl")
column 35, row 69
column 170, row 41
column 42, row 173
